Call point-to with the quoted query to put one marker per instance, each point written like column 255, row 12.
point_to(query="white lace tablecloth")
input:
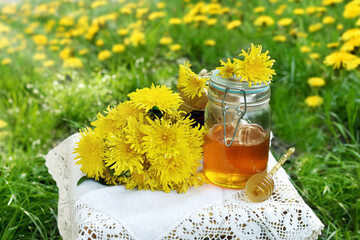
column 94, row 211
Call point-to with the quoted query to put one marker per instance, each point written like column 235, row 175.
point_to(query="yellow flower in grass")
column 3, row 124
column 160, row 5
column 39, row 56
column 210, row 42
column 175, row 21
column 190, row 84
column 259, row 9
column 314, row 101
column 285, row 22
column 160, row 96
column 331, row 2
column 328, row 20
column 339, row 27
column 256, row 66
column 99, row 43
column 350, row 45
column 120, row 157
column 137, row 38
column 72, row 62
column 233, row 24
column 352, row 10
column 332, row 45
column 118, row 48
column 6, row 61
column 123, row 31
column 104, row 55
column 156, row 15
column 175, row 47
column 65, row 53
column 40, row 39
column 67, row 21
column 342, row 60
column 279, row 38
column 316, row 82
column 211, row 21
column 83, row 51
column 165, row 40
column 314, row 55
column 351, row 33
column 90, row 154
column 299, row 11
column 48, row 63
column 315, row 27
column 228, row 69
column 305, row 49
column 264, row 21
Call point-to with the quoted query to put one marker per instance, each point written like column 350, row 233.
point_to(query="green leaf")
column 83, row 179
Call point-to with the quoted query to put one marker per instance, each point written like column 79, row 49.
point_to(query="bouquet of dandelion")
column 143, row 143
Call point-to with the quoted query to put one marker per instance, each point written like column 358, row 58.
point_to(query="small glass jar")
column 237, row 121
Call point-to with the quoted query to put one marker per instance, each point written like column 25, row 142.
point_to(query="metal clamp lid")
column 226, row 109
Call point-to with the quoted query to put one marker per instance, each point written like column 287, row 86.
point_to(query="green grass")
column 43, row 106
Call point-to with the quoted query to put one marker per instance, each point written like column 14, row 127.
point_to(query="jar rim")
column 221, row 83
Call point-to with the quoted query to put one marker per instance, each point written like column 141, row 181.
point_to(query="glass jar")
column 237, row 123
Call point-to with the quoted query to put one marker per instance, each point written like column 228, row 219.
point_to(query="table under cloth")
column 95, row 211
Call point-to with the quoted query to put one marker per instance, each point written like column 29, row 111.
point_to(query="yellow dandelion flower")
column 210, row 42
column 175, row 47
column 279, row 38
column 331, row 2
column 342, row 60
column 305, row 49
column 316, row 82
column 314, row 55
column 104, row 55
column 134, row 134
column 160, row 96
column 118, row 48
column 160, row 5
column 263, row 21
column 350, row 45
column 3, row 124
column 315, row 27
column 54, row 48
column 256, row 66
column 233, row 24
column 72, row 62
column 314, row 101
column 351, row 33
column 90, row 154
column 6, row 61
column 126, row 10
column 328, row 20
column 99, row 43
column 340, row 27
column 190, row 84
column 97, row 4
column 280, row 10
column 40, row 39
column 156, row 15
column 228, row 69
column 299, row 11
column 39, row 56
column 162, row 137
column 48, row 63
column 65, row 53
column 200, row 18
column 332, row 45
column 123, row 31
column 165, row 40
column 67, row 21
column 115, row 119
column 352, row 10
column 175, row 21
column 285, row 22
column 310, row 10
column 137, row 38
column 121, row 158
column 83, row 51
column 259, row 9
column 211, row 21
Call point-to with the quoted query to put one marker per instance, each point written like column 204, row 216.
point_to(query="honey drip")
column 232, row 166
column 260, row 186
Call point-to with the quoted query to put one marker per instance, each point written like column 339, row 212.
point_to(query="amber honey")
column 232, row 166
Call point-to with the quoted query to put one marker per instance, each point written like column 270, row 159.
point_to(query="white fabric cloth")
column 95, row 211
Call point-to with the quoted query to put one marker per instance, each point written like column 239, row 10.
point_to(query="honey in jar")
column 231, row 166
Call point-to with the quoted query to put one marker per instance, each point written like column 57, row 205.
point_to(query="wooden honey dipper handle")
column 282, row 160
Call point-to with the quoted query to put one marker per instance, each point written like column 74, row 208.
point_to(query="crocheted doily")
column 283, row 216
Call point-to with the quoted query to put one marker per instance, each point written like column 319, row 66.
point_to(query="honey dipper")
column 260, row 186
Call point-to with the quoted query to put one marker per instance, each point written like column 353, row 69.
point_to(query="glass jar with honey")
column 237, row 123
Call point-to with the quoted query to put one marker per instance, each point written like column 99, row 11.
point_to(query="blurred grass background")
column 55, row 77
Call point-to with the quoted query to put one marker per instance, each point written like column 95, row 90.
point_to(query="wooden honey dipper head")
column 260, row 186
